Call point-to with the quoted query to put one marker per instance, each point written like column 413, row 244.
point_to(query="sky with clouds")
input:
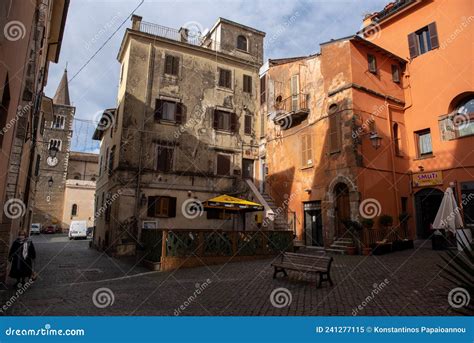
column 293, row 28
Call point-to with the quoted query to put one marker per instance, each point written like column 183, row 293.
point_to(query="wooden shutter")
column 334, row 135
column 248, row 125
column 151, row 206
column 180, row 116
column 168, row 64
column 433, row 35
column 215, row 123
column 171, row 207
column 412, row 45
column 309, row 150
column 233, row 122
column 158, row 109
column 303, row 150
column 175, row 65
column 262, row 89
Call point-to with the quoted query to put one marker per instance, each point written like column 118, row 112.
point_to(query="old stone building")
column 52, row 171
column 30, row 38
column 184, row 130
column 82, row 173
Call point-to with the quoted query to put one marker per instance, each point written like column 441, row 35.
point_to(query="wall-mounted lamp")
column 190, row 193
column 375, row 139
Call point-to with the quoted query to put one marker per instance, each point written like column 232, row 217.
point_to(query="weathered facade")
column 52, row 171
column 184, row 130
column 31, row 35
column 79, row 194
column 322, row 111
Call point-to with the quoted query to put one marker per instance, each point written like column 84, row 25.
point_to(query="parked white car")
column 35, row 229
column 78, row 229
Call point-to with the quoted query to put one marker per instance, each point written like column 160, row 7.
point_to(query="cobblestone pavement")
column 70, row 273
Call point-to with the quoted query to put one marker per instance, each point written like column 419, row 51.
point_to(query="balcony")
column 291, row 111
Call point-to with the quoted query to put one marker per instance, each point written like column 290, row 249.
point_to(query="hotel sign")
column 428, row 179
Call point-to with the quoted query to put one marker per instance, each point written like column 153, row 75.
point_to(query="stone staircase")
column 339, row 245
column 280, row 221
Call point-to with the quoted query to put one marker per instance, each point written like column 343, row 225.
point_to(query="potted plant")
column 406, row 242
column 386, row 221
column 354, row 228
column 367, row 223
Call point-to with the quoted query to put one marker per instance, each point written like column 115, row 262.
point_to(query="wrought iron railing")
column 293, row 103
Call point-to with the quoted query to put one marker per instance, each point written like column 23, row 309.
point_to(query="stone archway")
column 342, row 201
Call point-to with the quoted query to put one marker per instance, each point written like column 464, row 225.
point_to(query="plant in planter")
column 354, row 227
column 386, row 221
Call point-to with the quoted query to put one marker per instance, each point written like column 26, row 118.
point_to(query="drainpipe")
column 392, row 161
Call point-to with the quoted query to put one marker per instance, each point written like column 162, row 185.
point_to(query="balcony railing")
column 291, row 109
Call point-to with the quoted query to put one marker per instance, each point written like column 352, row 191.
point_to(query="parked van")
column 78, row 229
column 35, row 229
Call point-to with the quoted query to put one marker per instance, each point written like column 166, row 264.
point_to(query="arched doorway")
column 342, row 209
column 427, row 202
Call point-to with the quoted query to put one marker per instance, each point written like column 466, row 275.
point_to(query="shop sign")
column 428, row 179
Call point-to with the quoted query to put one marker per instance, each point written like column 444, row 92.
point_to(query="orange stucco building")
column 364, row 128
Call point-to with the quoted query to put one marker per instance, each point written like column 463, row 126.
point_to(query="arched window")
column 396, row 139
column 463, row 118
column 242, row 43
column 74, row 210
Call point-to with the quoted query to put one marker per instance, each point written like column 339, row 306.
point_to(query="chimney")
column 184, row 34
column 136, row 21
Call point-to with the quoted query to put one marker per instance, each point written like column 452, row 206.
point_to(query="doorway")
column 427, row 202
column 247, row 168
column 313, row 224
column 342, row 211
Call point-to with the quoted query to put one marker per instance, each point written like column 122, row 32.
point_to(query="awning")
column 226, row 202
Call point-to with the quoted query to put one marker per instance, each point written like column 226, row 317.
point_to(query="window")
column 263, row 90
column 169, row 111
column 334, row 129
column 164, row 160
column 225, row 121
column 396, row 139
column 248, row 124
column 77, row 176
column 225, row 78
column 161, row 206
column 56, row 143
column 111, row 160
column 247, row 84
column 58, row 121
column 372, row 61
column 4, row 106
column 100, row 165
column 74, row 210
column 423, row 40
column 171, row 65
column 464, row 118
column 223, row 164
column 242, row 43
column 395, row 73
column 306, row 150
column 424, row 143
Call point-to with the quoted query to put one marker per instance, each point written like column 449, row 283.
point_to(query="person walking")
column 21, row 255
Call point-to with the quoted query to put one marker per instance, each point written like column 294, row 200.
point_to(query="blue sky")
column 293, row 28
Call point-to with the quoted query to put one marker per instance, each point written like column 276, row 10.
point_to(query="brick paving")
column 70, row 272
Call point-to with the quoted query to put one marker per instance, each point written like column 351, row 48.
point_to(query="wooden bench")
column 319, row 264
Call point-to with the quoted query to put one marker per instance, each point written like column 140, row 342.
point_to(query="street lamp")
column 50, row 182
column 375, row 139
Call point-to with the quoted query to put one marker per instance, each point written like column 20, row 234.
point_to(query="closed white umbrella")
column 449, row 218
